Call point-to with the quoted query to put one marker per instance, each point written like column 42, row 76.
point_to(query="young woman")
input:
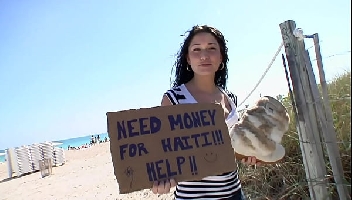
column 201, row 76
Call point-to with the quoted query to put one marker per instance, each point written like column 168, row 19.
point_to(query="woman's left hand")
column 251, row 161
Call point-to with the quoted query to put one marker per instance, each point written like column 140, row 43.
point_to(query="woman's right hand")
column 163, row 187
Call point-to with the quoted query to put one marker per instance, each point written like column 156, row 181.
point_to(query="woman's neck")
column 203, row 84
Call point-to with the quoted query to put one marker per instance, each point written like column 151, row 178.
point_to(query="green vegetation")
column 287, row 179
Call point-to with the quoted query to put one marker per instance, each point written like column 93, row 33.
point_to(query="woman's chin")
column 205, row 72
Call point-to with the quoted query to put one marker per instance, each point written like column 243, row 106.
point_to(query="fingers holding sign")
column 163, row 187
column 251, row 161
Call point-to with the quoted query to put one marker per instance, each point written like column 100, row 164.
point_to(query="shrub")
column 287, row 179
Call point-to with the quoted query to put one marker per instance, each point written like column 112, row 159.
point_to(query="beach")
column 87, row 174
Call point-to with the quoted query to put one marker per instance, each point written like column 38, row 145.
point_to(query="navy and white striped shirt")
column 211, row 187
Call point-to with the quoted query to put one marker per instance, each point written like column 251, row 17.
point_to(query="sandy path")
column 87, row 174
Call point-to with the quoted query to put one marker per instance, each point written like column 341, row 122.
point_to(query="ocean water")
column 2, row 157
column 79, row 141
column 73, row 142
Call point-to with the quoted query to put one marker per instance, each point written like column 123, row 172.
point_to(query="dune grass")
column 287, row 179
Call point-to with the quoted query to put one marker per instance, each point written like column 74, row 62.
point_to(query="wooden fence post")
column 329, row 133
column 310, row 143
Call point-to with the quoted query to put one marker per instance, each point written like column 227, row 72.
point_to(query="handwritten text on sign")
column 184, row 142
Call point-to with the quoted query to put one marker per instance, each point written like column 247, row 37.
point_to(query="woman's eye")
column 199, row 49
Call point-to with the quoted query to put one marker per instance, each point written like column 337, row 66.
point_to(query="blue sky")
column 64, row 64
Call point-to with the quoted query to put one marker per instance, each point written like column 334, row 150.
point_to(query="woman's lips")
column 205, row 65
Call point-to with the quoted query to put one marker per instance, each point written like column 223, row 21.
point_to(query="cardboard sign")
column 184, row 142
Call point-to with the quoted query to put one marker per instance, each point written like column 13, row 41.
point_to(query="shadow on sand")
column 12, row 178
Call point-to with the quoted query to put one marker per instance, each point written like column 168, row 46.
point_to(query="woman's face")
column 204, row 54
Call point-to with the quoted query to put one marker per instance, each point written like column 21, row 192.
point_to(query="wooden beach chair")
column 45, row 167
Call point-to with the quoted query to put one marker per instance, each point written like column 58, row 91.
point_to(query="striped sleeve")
column 171, row 95
column 232, row 96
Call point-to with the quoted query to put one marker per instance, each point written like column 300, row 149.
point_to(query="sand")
column 87, row 174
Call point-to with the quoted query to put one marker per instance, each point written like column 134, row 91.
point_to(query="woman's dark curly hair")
column 182, row 75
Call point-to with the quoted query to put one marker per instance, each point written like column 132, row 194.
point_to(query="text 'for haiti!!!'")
column 162, row 168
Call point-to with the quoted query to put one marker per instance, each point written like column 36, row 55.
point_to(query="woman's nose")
column 204, row 55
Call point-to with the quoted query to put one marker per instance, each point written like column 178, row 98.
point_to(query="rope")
column 265, row 72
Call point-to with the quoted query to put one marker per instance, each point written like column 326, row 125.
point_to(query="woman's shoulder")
column 231, row 96
column 175, row 94
column 175, row 90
